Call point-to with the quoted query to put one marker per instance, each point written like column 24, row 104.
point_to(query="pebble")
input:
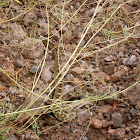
column 109, row 69
column 33, row 48
column 133, row 112
column 104, row 76
column 109, row 58
column 117, row 120
column 105, row 109
column 118, row 75
column 78, row 70
column 19, row 63
column 138, row 105
column 34, row 69
column 30, row 17
column 119, row 133
column 46, row 75
column 96, row 123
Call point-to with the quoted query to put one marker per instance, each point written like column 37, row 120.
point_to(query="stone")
column 118, row 75
column 104, row 76
column 104, row 109
column 17, row 33
column 30, row 17
column 78, row 70
column 107, row 123
column 34, row 69
column 42, row 23
column 96, row 123
column 138, row 105
column 109, row 58
column 46, row 75
column 119, row 133
column 109, row 69
column 117, row 120
column 133, row 112
column 32, row 48
column 19, row 63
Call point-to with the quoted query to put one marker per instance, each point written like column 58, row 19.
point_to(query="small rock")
column 121, row 54
column 42, row 23
column 134, row 98
column 138, row 44
column 76, row 81
column 104, row 76
column 110, row 101
column 138, row 105
column 133, row 112
column 78, row 70
column 9, row 69
column 19, row 63
column 119, row 133
column 117, row 120
column 18, row 33
column 90, row 12
column 83, row 64
column 109, row 58
column 84, row 138
column 30, row 17
column 34, row 69
column 3, row 94
column 105, row 109
column 33, row 48
column 118, row 75
column 109, row 69
column 131, row 61
column 46, row 75
column 3, row 88
column 96, row 123
column 107, row 123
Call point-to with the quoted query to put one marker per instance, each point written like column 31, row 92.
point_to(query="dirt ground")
column 98, row 48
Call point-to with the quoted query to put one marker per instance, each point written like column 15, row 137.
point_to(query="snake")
column 63, row 112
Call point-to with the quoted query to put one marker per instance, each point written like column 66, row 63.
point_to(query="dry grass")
column 64, row 18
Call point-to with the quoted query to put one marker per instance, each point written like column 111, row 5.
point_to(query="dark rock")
column 110, row 101
column 117, row 120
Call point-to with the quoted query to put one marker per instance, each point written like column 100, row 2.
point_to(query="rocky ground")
column 104, row 76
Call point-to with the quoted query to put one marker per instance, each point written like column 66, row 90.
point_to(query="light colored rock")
column 32, row 48
column 34, row 69
column 46, row 75
column 42, row 23
column 96, row 123
column 102, row 75
column 78, row 70
column 17, row 33
column 76, row 81
column 138, row 105
column 109, row 58
column 104, row 109
column 30, row 17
